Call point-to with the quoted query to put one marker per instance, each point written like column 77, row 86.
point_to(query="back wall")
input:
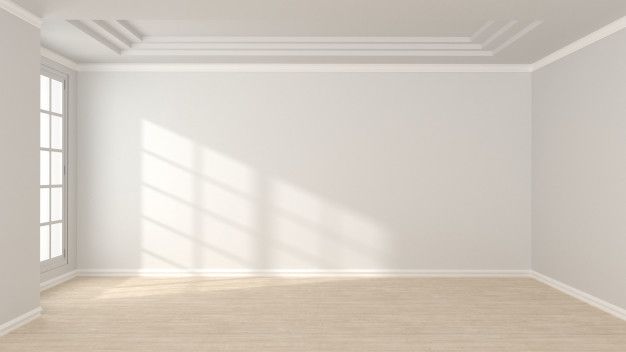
column 304, row 171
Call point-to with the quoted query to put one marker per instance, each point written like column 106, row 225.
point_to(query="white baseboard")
column 304, row 273
column 583, row 296
column 20, row 321
column 58, row 280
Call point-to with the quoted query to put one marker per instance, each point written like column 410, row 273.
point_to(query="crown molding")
column 275, row 67
column 581, row 43
column 305, row 52
column 123, row 39
column 515, row 37
column 96, row 32
column 20, row 12
column 302, row 39
column 59, row 59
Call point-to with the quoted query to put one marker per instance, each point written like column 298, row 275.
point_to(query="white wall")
column 19, row 173
column 296, row 171
column 579, row 170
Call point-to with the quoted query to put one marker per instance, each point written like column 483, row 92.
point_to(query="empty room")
column 313, row 175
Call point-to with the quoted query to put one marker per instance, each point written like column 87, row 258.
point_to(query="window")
column 52, row 178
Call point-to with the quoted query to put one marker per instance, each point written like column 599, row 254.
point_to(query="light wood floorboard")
column 315, row 314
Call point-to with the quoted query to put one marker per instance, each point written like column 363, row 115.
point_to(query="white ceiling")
column 318, row 31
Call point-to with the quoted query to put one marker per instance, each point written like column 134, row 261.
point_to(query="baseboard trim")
column 580, row 295
column 58, row 280
column 20, row 321
column 305, row 273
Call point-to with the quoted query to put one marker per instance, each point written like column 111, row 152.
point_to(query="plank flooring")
column 314, row 314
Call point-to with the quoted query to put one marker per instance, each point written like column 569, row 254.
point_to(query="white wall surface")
column 304, row 171
column 579, row 170
column 19, row 167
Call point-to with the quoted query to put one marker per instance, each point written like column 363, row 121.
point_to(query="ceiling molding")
column 93, row 30
column 59, row 59
column 527, row 29
column 113, row 34
column 122, row 37
column 20, row 12
column 309, row 53
column 252, row 43
column 365, row 68
column 481, row 30
column 125, row 32
column 581, row 43
column 503, row 29
column 306, row 39
column 129, row 30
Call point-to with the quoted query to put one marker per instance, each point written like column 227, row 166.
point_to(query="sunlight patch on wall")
column 227, row 171
column 167, row 199
column 316, row 232
column 197, row 205
column 167, row 144
column 205, row 210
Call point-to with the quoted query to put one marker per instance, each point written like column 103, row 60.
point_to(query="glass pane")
column 44, row 204
column 57, row 97
column 57, row 132
column 56, row 240
column 57, row 168
column 44, row 168
column 45, row 131
column 44, row 91
column 44, row 243
column 56, row 203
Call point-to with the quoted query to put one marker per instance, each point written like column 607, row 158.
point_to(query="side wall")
column 19, row 160
column 304, row 171
column 579, row 170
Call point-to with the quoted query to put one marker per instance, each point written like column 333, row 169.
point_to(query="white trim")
column 20, row 12
column 301, row 273
column 58, row 280
column 59, row 59
column 303, row 39
column 601, row 33
column 280, row 47
column 583, row 296
column 128, row 30
column 505, row 28
column 481, row 30
column 515, row 37
column 112, row 33
column 188, row 67
column 123, row 39
column 94, row 31
column 301, row 52
column 20, row 321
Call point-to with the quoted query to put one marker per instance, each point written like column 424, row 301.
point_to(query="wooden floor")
column 286, row 314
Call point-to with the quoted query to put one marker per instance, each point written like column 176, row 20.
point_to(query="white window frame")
column 59, row 261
